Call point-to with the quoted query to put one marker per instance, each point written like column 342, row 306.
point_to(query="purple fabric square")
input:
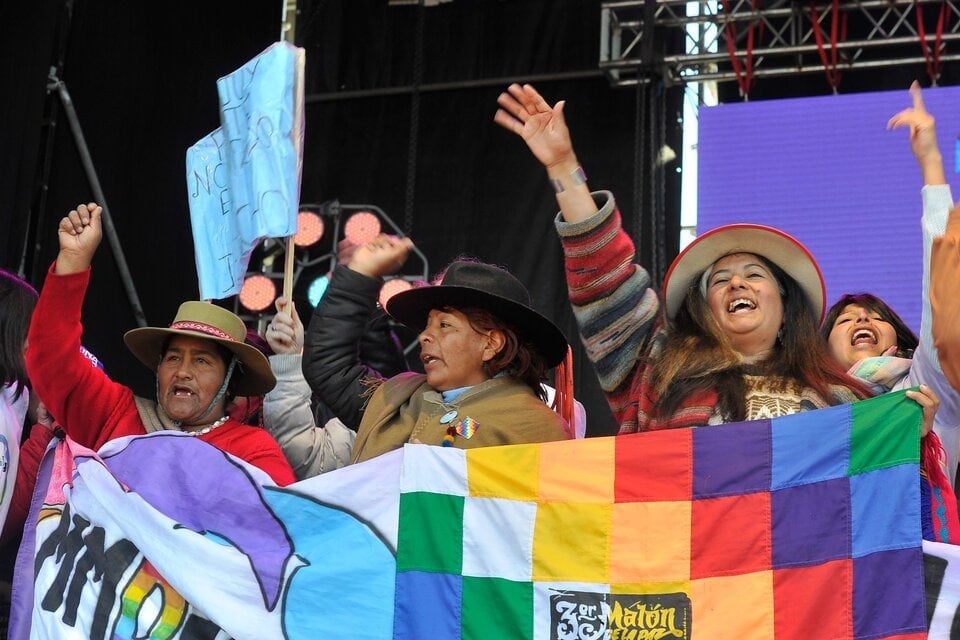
column 427, row 605
column 880, row 581
column 811, row 523
column 731, row 459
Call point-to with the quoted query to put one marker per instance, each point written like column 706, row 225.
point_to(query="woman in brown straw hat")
column 737, row 339
column 200, row 360
column 483, row 347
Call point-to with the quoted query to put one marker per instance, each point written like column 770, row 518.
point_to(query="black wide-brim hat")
column 485, row 286
column 199, row 319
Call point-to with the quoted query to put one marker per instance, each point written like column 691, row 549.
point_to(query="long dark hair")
column 907, row 340
column 698, row 357
column 17, row 301
column 517, row 359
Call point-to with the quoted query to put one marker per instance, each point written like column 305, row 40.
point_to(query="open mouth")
column 863, row 336
column 182, row 392
column 741, row 305
column 427, row 360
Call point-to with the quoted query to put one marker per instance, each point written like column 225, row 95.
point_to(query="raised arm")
column 524, row 112
column 331, row 361
column 944, row 299
column 923, row 137
column 79, row 396
column 933, row 353
column 287, row 412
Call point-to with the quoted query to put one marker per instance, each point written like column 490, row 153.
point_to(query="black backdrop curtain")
column 399, row 115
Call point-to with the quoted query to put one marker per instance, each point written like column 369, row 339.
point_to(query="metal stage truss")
column 641, row 40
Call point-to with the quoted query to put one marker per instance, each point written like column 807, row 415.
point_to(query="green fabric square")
column 496, row 608
column 885, row 432
column 430, row 534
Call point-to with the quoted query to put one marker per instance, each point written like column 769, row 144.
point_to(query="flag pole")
column 288, row 272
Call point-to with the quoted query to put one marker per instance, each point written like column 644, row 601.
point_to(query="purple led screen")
column 827, row 171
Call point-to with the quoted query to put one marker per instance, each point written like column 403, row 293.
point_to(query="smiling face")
column 744, row 298
column 859, row 333
column 188, row 378
column 453, row 352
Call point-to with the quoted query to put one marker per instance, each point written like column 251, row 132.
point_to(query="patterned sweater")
column 624, row 331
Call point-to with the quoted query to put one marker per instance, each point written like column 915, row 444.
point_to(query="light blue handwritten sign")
column 243, row 179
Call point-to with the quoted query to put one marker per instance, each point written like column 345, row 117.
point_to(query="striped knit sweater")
column 623, row 328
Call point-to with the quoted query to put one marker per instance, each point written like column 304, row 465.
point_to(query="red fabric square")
column 807, row 601
column 730, row 535
column 655, row 465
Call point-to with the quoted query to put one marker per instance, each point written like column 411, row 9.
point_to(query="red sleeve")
column 27, row 468
column 76, row 394
column 255, row 446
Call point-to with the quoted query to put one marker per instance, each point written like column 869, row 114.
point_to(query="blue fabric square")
column 731, row 459
column 880, row 582
column 886, row 509
column 810, row 523
column 427, row 605
column 811, row 446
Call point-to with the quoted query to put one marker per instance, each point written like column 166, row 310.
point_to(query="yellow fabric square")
column 578, row 470
column 650, row 588
column 650, row 542
column 571, row 542
column 734, row 607
column 503, row 472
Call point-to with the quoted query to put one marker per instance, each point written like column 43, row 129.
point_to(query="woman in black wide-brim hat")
column 484, row 349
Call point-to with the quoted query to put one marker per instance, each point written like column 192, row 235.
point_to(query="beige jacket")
column 405, row 408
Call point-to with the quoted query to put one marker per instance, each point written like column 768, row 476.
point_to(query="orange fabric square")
column 730, row 535
column 823, row 614
column 655, row 465
column 650, row 542
column 577, row 470
column 740, row 606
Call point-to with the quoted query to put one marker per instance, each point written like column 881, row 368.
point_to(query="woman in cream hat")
column 200, row 360
column 734, row 336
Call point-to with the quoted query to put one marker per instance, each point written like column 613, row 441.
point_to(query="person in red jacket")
column 201, row 361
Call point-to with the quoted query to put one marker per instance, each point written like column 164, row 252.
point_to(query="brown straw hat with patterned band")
column 774, row 245
column 485, row 286
column 210, row 322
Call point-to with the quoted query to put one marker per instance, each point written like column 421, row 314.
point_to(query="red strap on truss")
column 837, row 23
column 934, row 65
column 743, row 72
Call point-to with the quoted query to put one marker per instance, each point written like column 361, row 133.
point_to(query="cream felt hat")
column 774, row 245
column 205, row 320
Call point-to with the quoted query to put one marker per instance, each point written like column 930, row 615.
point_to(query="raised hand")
column 524, row 112
column 285, row 332
column 80, row 232
column 384, row 255
column 923, row 136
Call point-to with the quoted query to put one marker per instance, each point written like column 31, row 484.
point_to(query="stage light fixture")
column 309, row 229
column 361, row 228
column 257, row 293
column 391, row 288
column 316, row 290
